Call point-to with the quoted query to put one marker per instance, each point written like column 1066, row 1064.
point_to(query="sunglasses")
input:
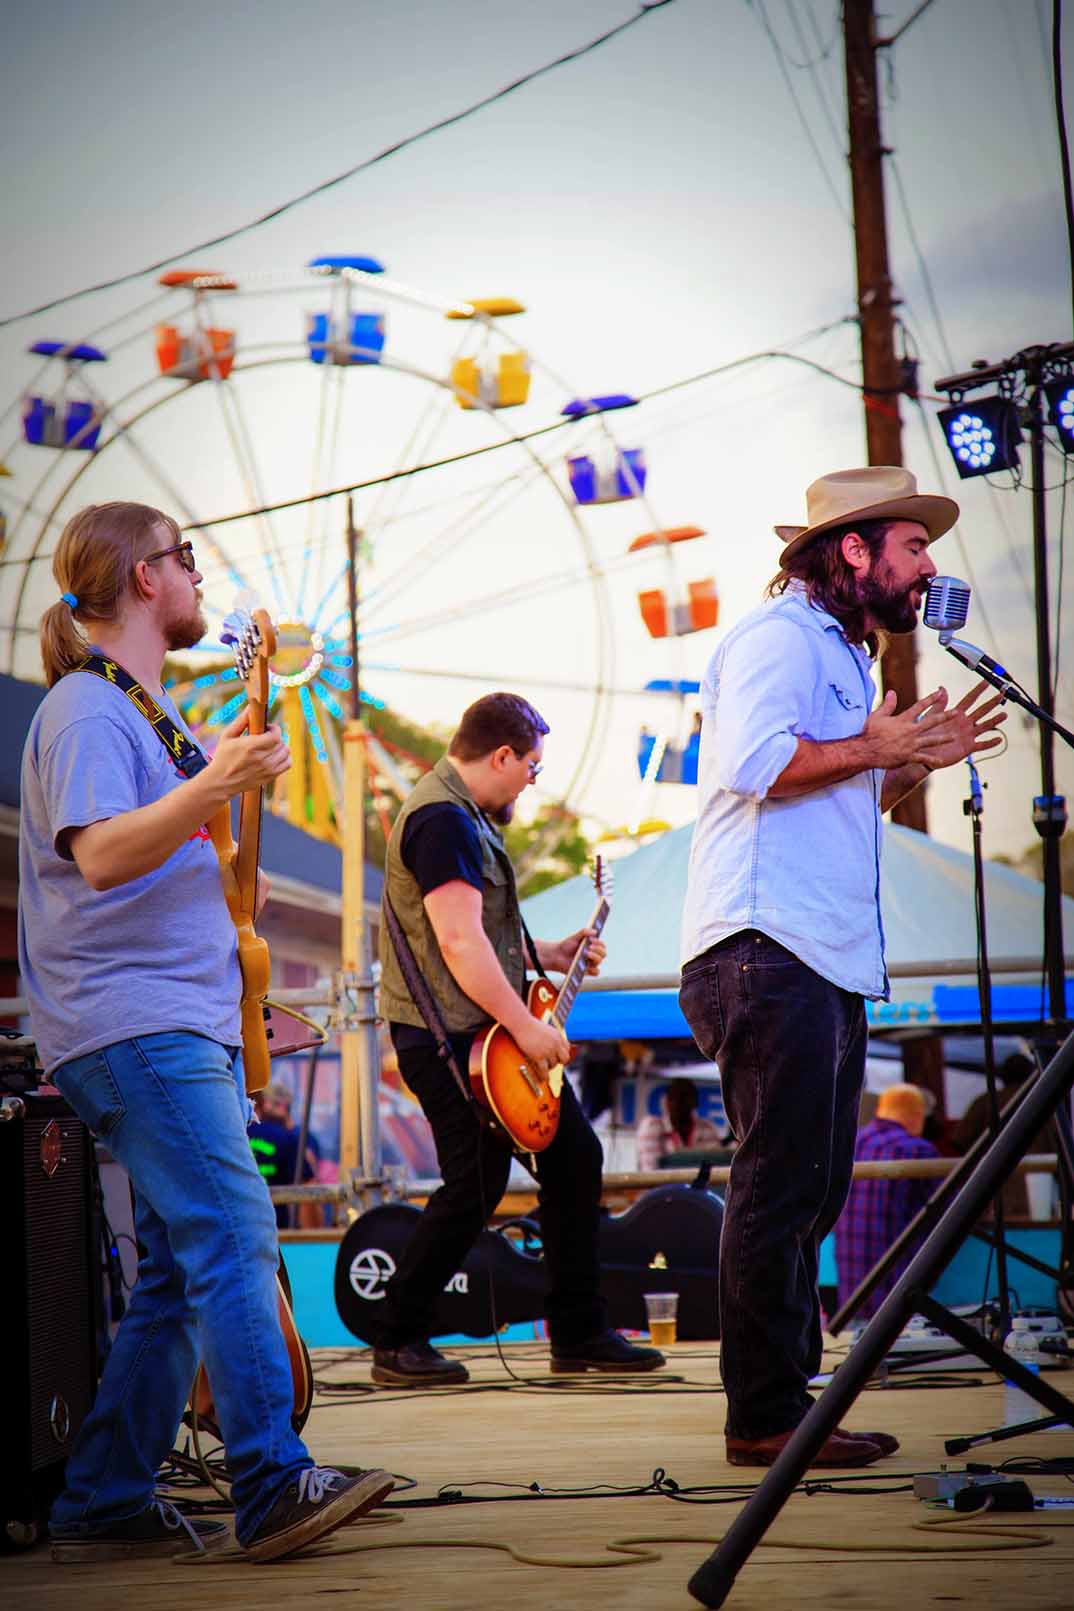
column 184, row 550
column 535, row 767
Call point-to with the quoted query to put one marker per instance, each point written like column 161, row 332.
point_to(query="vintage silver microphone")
column 947, row 605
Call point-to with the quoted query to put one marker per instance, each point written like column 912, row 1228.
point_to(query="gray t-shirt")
column 154, row 955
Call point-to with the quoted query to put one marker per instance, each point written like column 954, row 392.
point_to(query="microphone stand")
column 1003, row 683
column 973, row 807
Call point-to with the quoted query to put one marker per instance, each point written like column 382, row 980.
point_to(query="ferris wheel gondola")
column 223, row 416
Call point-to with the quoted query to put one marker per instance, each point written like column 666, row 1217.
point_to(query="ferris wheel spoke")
column 125, row 432
column 391, row 497
column 246, row 463
column 330, row 394
column 444, row 544
column 519, row 594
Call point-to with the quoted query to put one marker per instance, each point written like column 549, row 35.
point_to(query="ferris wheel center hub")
column 299, row 654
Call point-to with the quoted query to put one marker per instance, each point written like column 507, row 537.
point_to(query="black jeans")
column 791, row 1052
column 474, row 1165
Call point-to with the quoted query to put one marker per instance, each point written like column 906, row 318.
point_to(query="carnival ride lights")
column 63, row 418
column 982, row 436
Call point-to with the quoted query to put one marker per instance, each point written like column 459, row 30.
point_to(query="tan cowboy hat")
column 879, row 492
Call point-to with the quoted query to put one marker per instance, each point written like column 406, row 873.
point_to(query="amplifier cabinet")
column 49, row 1265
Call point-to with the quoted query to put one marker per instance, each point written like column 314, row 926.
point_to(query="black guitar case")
column 667, row 1241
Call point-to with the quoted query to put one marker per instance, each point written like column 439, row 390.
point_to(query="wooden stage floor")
column 593, row 1432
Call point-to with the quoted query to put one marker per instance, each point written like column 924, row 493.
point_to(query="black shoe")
column 609, row 1352
column 320, row 1501
column 159, row 1530
column 416, row 1364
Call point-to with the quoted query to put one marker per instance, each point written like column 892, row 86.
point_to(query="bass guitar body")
column 202, row 1403
column 523, row 1102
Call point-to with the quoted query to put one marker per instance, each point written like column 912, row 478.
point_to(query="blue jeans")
column 171, row 1109
column 791, row 1051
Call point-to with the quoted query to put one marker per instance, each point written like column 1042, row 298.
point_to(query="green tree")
column 547, row 850
column 1031, row 862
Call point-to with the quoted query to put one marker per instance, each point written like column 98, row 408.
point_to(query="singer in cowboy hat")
column 783, row 937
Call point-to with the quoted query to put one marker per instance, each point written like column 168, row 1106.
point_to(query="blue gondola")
column 341, row 336
column 580, row 407
column 610, row 480
column 358, row 338
column 58, row 420
column 335, row 264
column 677, row 764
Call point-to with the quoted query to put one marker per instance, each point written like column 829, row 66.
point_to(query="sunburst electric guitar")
column 268, row 1030
column 525, row 1103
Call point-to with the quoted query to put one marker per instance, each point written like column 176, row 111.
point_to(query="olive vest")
column 500, row 916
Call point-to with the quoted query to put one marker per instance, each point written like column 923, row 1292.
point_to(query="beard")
column 184, row 631
column 892, row 607
column 503, row 815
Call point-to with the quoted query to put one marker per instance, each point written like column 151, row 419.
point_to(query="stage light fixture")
column 982, row 435
column 1060, row 395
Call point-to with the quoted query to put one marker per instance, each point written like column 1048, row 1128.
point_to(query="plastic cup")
column 662, row 1310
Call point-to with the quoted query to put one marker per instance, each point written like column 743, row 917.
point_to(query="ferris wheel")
column 488, row 547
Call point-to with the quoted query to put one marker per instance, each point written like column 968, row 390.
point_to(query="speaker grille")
column 59, row 1306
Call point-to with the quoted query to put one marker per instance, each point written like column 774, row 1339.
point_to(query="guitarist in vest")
column 128, row 957
column 452, row 888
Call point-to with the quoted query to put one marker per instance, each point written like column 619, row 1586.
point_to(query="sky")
column 668, row 204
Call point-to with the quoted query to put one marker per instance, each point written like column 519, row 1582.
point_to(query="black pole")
column 714, row 1579
column 1049, row 809
column 973, row 806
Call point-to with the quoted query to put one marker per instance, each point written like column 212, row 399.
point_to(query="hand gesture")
column 545, row 1047
column 964, row 729
column 247, row 761
column 594, row 956
column 899, row 740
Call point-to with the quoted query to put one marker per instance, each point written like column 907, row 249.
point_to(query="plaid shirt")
column 877, row 1211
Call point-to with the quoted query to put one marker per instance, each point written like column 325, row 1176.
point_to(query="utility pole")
column 882, row 374
column 882, row 377
column 359, row 1063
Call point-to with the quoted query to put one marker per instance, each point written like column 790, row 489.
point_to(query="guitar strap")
column 429, row 1008
column 187, row 757
column 422, row 996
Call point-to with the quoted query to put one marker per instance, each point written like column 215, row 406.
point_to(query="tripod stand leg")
column 714, row 1578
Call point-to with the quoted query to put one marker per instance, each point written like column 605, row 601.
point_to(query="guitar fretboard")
column 573, row 982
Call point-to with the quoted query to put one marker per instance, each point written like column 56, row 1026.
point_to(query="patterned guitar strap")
column 187, row 757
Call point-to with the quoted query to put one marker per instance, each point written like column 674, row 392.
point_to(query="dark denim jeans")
column 791, row 1052
column 474, row 1165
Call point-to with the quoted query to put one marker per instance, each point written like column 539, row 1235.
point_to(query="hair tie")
column 69, row 598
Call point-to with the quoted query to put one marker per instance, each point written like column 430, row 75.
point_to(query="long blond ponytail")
column 93, row 565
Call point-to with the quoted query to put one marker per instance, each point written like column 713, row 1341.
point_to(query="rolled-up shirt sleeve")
column 762, row 705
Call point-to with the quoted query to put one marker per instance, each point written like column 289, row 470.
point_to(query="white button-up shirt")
column 804, row 870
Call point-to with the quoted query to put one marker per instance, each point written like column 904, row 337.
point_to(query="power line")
column 1061, row 130
column 781, row 63
column 646, row 7
column 513, row 441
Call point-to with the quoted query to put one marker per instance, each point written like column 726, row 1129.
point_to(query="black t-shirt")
column 440, row 845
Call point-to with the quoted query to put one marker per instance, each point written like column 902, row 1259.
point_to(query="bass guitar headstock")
column 252, row 639
column 603, row 878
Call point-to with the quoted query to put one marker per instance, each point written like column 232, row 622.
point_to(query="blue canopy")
column 926, row 891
